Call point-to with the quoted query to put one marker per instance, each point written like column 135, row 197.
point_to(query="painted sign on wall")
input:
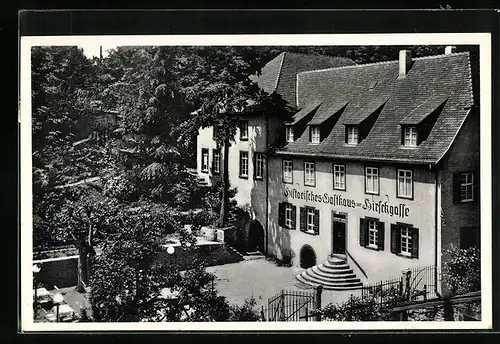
column 400, row 210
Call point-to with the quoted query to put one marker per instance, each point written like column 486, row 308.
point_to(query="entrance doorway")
column 339, row 222
column 256, row 236
column 307, row 257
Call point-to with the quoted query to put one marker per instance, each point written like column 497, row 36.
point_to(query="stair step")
column 316, row 271
column 329, row 270
column 316, row 278
column 313, row 276
column 336, row 261
column 328, row 286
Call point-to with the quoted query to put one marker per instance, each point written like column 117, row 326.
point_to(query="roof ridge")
column 279, row 71
column 320, row 55
column 383, row 62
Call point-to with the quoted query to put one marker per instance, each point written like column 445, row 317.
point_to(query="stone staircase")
column 334, row 274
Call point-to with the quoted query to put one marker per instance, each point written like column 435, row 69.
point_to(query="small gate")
column 292, row 305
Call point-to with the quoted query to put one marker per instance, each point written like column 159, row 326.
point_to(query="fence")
column 415, row 284
column 292, row 305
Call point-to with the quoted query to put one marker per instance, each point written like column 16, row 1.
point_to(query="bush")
column 247, row 312
column 356, row 309
column 462, row 270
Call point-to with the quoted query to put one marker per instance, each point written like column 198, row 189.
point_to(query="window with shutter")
column 316, row 221
column 414, row 242
column 302, row 214
column 281, row 214
column 381, row 236
column 363, row 232
column 294, row 216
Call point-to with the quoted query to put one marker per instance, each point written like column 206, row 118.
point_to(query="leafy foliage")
column 462, row 270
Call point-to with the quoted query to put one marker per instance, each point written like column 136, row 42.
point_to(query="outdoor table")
column 43, row 295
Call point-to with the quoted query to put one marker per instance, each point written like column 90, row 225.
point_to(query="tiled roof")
column 280, row 74
column 444, row 75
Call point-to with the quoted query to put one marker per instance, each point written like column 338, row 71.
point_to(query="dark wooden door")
column 338, row 237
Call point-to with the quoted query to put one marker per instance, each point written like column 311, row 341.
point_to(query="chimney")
column 404, row 62
column 100, row 52
column 449, row 49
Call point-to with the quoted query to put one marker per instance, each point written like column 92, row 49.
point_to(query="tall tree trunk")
column 82, row 267
column 225, row 182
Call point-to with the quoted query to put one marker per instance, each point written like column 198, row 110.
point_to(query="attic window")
column 372, row 84
column 289, row 134
column 352, row 137
column 314, row 135
column 410, row 136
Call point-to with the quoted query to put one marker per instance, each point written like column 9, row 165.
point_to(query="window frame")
column 398, row 191
column 343, row 178
column 240, row 174
column 243, row 124
column 202, row 168
column 314, row 173
column 258, row 172
column 216, row 152
column 310, row 211
column 412, row 130
column 471, row 184
column 366, row 180
column 348, row 135
column 288, row 211
column 314, row 135
column 409, row 243
column 283, row 170
column 289, row 130
column 375, row 235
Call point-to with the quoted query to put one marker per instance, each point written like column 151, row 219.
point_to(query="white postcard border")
column 26, row 287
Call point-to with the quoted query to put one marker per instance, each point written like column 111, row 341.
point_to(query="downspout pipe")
column 436, row 224
column 267, row 183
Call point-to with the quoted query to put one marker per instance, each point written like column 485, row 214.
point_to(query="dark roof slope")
column 444, row 75
column 280, row 74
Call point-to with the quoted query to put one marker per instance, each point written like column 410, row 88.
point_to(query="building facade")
column 378, row 164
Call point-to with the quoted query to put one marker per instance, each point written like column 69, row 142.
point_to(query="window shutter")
column 254, row 160
column 395, row 238
column 281, row 214
column 414, row 242
column 316, row 221
column 456, row 188
column 294, row 217
column 362, row 232
column 345, row 133
column 381, row 236
column 302, row 218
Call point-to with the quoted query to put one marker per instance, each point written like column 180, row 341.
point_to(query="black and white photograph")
column 273, row 181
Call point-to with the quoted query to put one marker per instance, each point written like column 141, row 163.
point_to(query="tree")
column 128, row 282
column 219, row 88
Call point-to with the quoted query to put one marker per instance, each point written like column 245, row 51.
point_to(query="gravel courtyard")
column 263, row 279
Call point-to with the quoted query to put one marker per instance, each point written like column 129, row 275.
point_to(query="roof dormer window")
column 290, row 136
column 352, row 137
column 315, row 136
column 410, row 136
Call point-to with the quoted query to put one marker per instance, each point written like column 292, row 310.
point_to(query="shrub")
column 462, row 270
column 247, row 312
